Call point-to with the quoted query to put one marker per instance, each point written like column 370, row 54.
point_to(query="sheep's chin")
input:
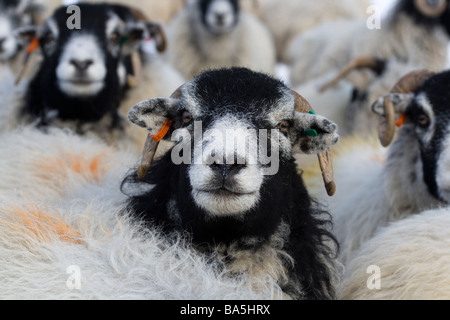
column 225, row 203
column 81, row 89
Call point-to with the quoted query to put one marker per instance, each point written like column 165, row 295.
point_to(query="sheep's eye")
column 114, row 37
column 284, row 126
column 186, row 117
column 48, row 37
column 423, row 120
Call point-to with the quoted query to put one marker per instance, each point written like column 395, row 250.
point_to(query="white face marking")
column 226, row 142
column 81, row 70
column 9, row 44
column 220, row 16
column 443, row 169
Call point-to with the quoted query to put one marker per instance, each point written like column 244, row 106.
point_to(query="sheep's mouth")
column 224, row 192
column 81, row 82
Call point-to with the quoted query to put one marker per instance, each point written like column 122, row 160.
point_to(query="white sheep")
column 214, row 34
column 289, row 18
column 415, row 32
column 377, row 186
column 407, row 260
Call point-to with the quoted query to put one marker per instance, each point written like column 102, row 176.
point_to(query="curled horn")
column 431, row 8
column 409, row 83
column 325, row 162
column 151, row 146
column 361, row 62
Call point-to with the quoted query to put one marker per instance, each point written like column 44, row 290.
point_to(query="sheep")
column 409, row 177
column 85, row 73
column 210, row 34
column 416, row 32
column 256, row 218
column 290, row 18
column 406, row 260
column 352, row 109
column 60, row 213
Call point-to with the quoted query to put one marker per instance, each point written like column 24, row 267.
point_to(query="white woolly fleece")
column 412, row 256
column 61, row 236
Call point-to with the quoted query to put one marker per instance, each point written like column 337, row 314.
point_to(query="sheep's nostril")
column 227, row 169
column 81, row 65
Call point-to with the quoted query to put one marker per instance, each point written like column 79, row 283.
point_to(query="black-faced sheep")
column 215, row 34
column 250, row 211
column 411, row 178
column 83, row 76
column 416, row 32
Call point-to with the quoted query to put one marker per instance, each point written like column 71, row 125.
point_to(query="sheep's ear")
column 400, row 101
column 156, row 33
column 26, row 34
column 134, row 35
column 152, row 114
column 313, row 134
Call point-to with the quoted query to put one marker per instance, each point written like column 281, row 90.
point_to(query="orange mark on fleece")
column 44, row 225
column 87, row 166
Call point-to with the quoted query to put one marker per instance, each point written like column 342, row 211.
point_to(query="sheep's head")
column 13, row 14
column 83, row 60
column 429, row 12
column 219, row 16
column 421, row 101
column 233, row 128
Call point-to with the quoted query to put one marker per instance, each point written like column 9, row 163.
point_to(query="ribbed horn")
column 409, row 83
column 358, row 63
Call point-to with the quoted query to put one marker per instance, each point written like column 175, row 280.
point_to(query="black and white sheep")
column 251, row 212
column 416, row 32
column 210, row 34
column 83, row 76
column 411, row 178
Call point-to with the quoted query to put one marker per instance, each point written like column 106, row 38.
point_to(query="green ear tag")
column 310, row 133
column 311, row 112
column 124, row 41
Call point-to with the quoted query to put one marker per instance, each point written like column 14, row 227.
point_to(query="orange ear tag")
column 401, row 120
column 33, row 45
column 162, row 133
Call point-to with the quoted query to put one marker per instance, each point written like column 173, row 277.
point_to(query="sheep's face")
column 233, row 130
column 427, row 120
column 219, row 16
column 83, row 59
column 12, row 15
column 427, row 12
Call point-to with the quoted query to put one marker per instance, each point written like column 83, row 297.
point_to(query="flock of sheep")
column 93, row 206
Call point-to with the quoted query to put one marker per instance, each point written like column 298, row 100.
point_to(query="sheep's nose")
column 2, row 41
column 227, row 169
column 220, row 18
column 81, row 65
